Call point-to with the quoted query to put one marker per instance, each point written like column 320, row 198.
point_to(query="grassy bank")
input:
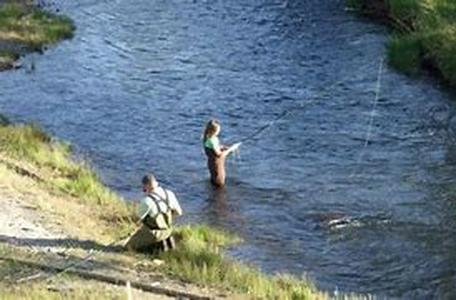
column 80, row 199
column 424, row 34
column 50, row 163
column 24, row 28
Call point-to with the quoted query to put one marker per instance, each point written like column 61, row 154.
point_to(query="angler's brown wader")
column 216, row 166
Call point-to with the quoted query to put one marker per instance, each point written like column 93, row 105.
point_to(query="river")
column 134, row 88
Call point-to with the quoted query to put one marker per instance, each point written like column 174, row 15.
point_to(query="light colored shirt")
column 212, row 143
column 150, row 207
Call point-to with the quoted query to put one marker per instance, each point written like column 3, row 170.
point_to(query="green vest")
column 164, row 218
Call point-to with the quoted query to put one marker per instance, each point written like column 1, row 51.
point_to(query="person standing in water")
column 216, row 153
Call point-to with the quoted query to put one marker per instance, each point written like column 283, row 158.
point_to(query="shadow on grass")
column 60, row 243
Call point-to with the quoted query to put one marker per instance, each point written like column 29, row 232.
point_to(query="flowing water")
column 133, row 90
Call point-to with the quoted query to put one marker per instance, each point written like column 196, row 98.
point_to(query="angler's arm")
column 232, row 148
column 220, row 150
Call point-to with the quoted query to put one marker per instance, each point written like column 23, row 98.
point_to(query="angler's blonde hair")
column 211, row 128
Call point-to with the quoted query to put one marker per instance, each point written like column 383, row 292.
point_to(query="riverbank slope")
column 423, row 37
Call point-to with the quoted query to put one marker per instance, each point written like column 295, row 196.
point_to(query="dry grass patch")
column 70, row 191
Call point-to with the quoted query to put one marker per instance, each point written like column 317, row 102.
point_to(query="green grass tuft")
column 425, row 35
column 12, row 11
column 54, row 28
column 441, row 48
column 404, row 53
column 32, row 27
column 199, row 259
column 405, row 10
column 206, row 235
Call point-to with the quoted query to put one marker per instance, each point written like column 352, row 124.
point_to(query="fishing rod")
column 260, row 130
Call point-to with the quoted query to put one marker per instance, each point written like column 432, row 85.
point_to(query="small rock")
column 158, row 262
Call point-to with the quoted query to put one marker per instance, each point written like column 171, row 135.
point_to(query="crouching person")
column 156, row 212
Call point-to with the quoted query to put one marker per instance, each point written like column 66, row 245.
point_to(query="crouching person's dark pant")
column 145, row 239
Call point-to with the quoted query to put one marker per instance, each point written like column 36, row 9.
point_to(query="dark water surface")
column 133, row 89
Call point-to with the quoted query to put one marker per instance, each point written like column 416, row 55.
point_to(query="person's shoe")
column 171, row 243
column 164, row 246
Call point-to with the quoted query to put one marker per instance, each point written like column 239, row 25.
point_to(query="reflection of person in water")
column 217, row 208
column 216, row 153
column 222, row 208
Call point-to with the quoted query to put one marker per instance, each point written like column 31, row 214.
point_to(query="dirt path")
column 20, row 221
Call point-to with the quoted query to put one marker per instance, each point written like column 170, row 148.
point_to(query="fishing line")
column 372, row 115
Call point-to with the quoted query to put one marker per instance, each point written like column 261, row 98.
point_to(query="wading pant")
column 216, row 166
column 145, row 239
